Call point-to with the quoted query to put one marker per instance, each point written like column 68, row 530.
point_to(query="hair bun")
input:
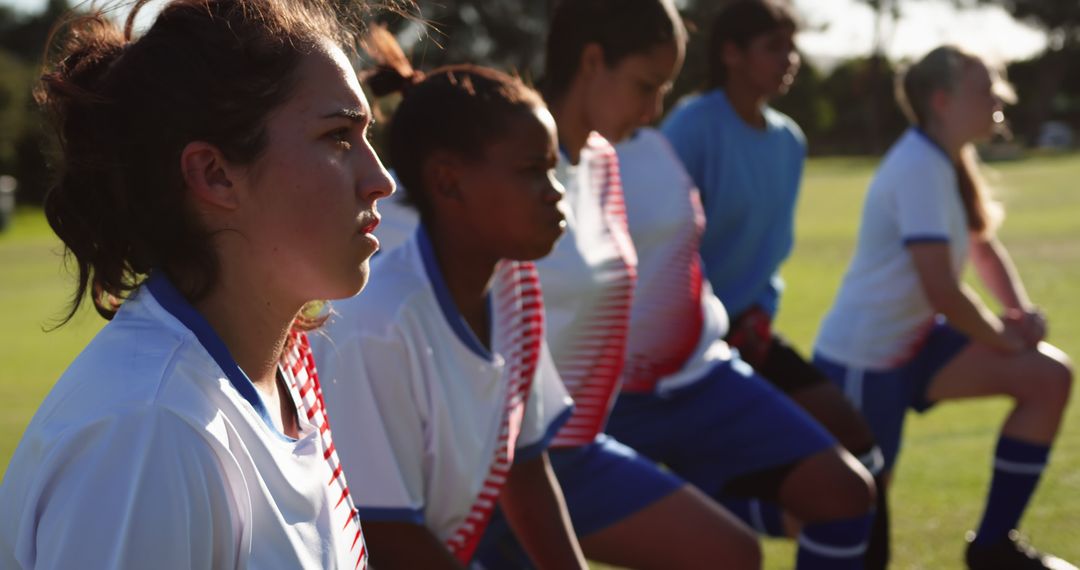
column 385, row 80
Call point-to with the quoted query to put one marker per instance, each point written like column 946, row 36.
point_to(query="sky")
column 838, row 29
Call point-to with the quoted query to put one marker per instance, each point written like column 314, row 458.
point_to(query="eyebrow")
column 354, row 114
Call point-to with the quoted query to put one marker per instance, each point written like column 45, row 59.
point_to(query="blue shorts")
column 603, row 483
column 729, row 423
column 884, row 396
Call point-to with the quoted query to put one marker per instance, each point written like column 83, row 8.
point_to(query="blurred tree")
column 1061, row 21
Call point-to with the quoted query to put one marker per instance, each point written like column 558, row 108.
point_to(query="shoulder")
column 688, row 115
column 914, row 157
column 786, row 126
column 142, row 359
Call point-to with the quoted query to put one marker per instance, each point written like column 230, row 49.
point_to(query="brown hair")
column 621, row 28
column 739, row 23
column 458, row 108
column 941, row 70
column 124, row 108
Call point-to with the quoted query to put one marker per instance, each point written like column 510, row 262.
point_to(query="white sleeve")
column 921, row 203
column 548, row 408
column 378, row 429
column 140, row 489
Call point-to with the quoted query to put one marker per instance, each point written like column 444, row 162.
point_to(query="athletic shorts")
column 780, row 363
column 884, row 396
column 728, row 424
column 603, row 483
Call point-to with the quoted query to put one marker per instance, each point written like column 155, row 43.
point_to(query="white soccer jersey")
column 588, row 285
column 881, row 312
column 677, row 325
column 154, row 450
column 428, row 419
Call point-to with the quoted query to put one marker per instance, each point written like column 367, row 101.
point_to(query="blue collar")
column 172, row 301
column 933, row 143
column 446, row 302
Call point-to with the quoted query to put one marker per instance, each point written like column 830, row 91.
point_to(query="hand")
column 1011, row 339
column 751, row 334
column 1029, row 323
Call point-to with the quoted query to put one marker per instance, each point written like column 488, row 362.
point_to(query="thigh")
column 606, row 481
column 978, row 371
column 684, row 529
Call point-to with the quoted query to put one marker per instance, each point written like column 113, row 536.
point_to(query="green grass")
column 943, row 473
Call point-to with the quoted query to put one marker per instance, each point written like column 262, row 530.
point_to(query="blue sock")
column 834, row 545
column 1017, row 468
column 764, row 517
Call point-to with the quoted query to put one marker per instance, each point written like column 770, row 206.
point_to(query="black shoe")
column 1010, row 553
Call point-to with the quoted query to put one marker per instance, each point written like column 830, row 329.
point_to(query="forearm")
column 997, row 271
column 966, row 312
column 534, row 506
column 406, row 545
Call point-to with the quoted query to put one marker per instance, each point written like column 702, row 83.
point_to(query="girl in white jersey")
column 440, row 372
column 905, row 332
column 685, row 401
column 216, row 180
column 627, row 511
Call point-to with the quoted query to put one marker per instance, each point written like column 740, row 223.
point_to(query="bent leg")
column 1039, row 382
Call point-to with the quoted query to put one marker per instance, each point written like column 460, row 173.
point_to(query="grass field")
column 945, row 468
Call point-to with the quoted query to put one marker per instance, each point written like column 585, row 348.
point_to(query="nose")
column 373, row 181
column 656, row 108
column 555, row 190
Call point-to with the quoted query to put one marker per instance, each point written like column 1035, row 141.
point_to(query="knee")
column 1054, row 385
column 855, row 492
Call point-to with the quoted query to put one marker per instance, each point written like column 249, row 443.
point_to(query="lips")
column 369, row 223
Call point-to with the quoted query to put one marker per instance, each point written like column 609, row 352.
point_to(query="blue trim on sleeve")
column 446, row 302
column 376, row 514
column 172, row 301
column 533, row 450
column 926, row 238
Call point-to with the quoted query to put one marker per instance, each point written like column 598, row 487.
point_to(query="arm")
column 960, row 305
column 140, row 489
column 996, row 269
column 533, row 503
column 405, row 545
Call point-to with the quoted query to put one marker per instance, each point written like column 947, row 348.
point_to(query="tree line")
column 847, row 109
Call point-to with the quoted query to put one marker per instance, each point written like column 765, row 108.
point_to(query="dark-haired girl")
column 439, row 372
column 216, row 180
column 747, row 160
column 905, row 332
column 685, row 400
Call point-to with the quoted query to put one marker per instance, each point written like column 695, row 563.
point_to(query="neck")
column 467, row 273
column 747, row 103
column 253, row 326
column 572, row 123
column 950, row 143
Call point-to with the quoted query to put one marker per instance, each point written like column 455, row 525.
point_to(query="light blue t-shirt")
column 749, row 181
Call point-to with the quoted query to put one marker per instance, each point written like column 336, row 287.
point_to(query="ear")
column 442, row 173
column 208, row 176
column 731, row 54
column 939, row 102
column 592, row 58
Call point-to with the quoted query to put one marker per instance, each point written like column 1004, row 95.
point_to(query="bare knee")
column 1049, row 385
column 829, row 486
